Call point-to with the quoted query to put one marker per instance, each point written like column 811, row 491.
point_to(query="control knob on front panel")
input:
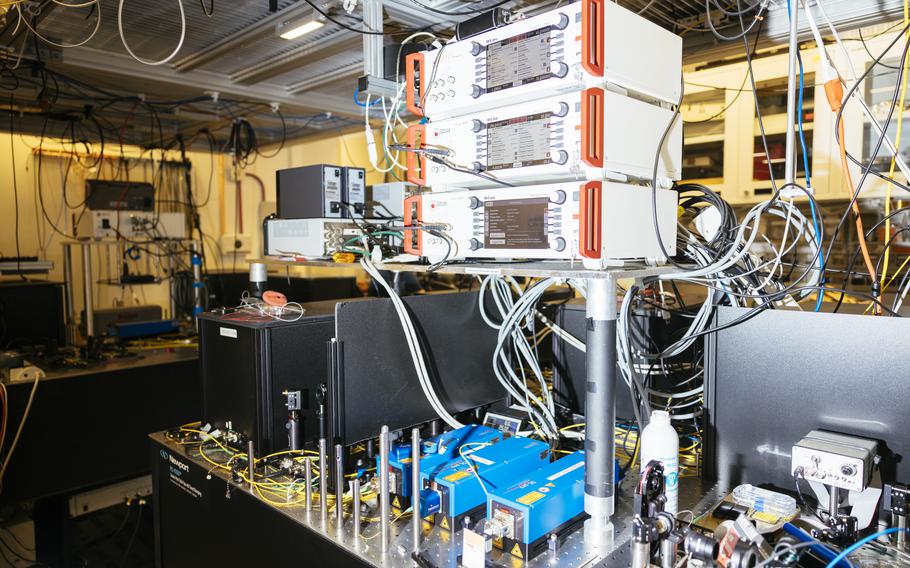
column 562, row 109
column 558, row 244
column 476, row 125
column 558, row 197
column 475, row 244
column 475, row 202
column 561, row 70
column 561, row 157
column 476, row 91
column 848, row 469
column 563, row 22
column 476, row 48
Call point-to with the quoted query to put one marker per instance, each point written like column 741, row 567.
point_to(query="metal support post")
column 339, row 487
column 172, row 284
column 415, row 487
column 196, row 261
column 372, row 44
column 308, row 479
column 323, row 482
column 87, row 290
column 68, row 293
column 355, row 492
column 384, row 503
column 833, row 501
column 600, row 413
column 792, row 95
column 251, row 463
column 900, row 521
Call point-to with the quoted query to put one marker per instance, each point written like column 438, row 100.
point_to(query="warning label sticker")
column 457, row 476
column 531, row 497
column 516, row 551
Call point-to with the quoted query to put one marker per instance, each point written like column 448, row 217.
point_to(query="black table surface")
column 88, row 427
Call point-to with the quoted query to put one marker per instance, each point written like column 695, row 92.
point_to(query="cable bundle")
column 514, row 349
column 410, row 333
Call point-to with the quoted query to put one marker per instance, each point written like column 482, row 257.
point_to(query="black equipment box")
column 248, row 360
column 310, row 192
column 355, row 191
column 31, row 313
column 772, row 379
column 119, row 195
column 321, row 191
column 374, row 382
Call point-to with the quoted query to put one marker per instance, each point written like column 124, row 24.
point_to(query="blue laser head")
column 497, row 466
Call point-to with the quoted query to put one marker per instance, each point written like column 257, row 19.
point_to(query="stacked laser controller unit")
column 539, row 138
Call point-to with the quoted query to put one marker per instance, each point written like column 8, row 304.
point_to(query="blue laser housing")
column 541, row 503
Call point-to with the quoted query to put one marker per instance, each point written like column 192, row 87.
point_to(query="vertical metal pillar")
column 87, row 281
column 251, row 463
column 415, row 487
column 600, row 412
column 384, row 503
column 323, row 482
column 833, row 501
column 196, row 261
column 339, row 487
column 792, row 97
column 372, row 44
column 172, row 284
column 355, row 494
column 68, row 293
column 308, row 479
column 900, row 521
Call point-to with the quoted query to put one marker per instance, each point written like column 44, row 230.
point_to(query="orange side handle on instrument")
column 592, row 127
column 414, row 92
column 590, row 206
column 592, row 36
column 417, row 164
column 413, row 239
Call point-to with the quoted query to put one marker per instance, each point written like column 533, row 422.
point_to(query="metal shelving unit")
column 88, row 280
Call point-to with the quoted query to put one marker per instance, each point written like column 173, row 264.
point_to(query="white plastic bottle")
column 660, row 442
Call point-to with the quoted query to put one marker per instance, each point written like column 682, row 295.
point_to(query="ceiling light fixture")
column 293, row 29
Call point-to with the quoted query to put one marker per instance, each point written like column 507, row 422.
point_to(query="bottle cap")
column 660, row 417
column 258, row 272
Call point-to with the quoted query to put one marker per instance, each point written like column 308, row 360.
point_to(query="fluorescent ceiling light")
column 294, row 29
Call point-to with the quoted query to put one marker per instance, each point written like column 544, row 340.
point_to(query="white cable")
column 503, row 365
column 25, row 413
column 898, row 157
column 413, row 346
column 148, row 61
column 568, row 337
column 389, row 129
column 79, row 5
column 24, row 20
column 903, row 294
column 513, row 313
column 829, row 72
column 410, row 336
